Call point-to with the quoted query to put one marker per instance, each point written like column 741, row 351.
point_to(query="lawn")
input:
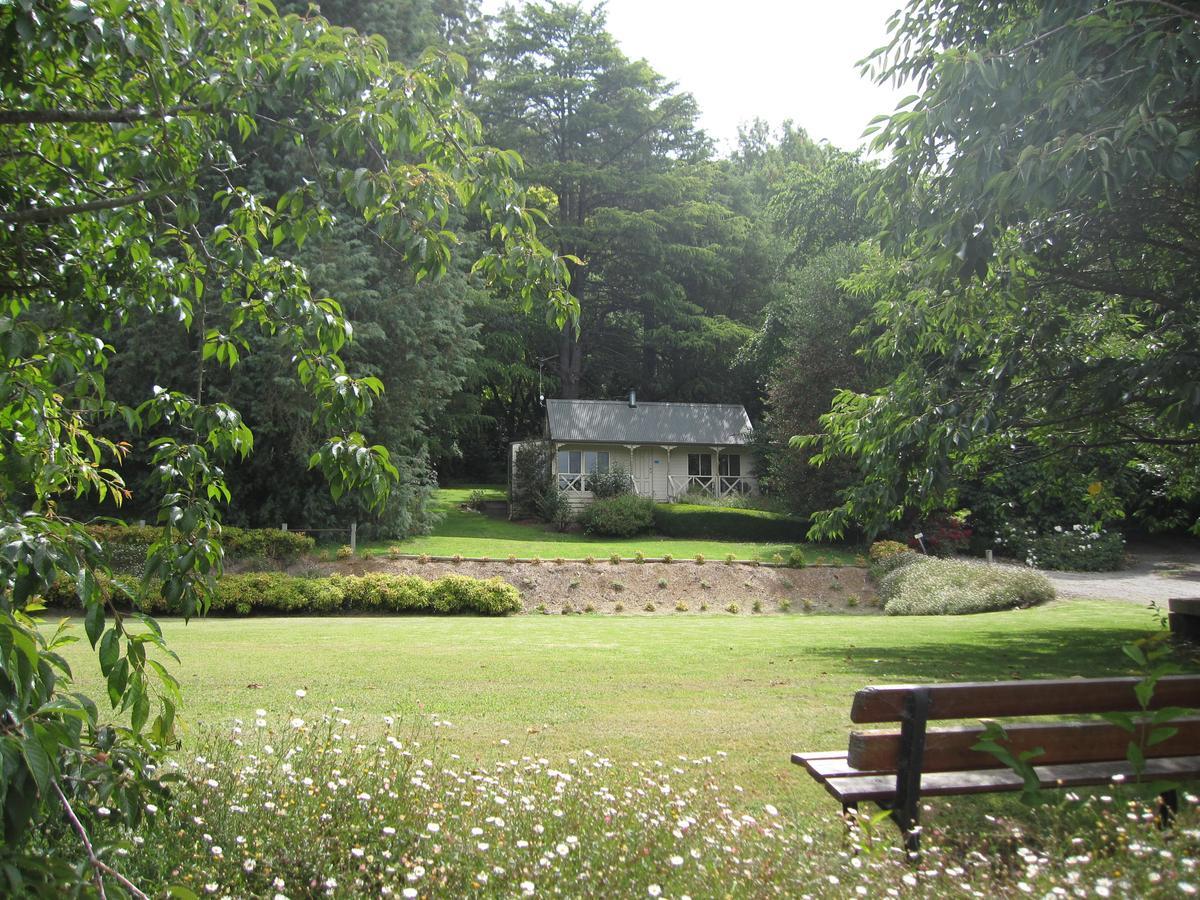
column 632, row 688
column 468, row 533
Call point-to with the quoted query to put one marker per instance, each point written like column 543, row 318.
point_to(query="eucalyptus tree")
column 125, row 126
column 1042, row 191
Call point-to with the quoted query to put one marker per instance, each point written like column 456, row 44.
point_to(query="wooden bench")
column 896, row 768
column 1184, row 616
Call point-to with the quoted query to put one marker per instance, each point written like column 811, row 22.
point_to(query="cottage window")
column 595, row 461
column 700, row 477
column 573, row 465
column 570, row 470
column 731, row 465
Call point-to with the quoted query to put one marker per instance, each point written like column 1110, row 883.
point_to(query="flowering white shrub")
column 1079, row 548
column 933, row 587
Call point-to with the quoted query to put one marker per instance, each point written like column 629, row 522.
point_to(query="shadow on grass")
column 993, row 655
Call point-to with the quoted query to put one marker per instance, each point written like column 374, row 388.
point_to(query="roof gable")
column 615, row 421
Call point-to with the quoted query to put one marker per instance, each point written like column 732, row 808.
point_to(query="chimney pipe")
column 633, row 399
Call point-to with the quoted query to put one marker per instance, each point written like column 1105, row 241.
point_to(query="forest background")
column 763, row 276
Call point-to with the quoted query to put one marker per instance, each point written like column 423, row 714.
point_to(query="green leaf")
column 38, row 762
column 93, row 622
column 110, row 650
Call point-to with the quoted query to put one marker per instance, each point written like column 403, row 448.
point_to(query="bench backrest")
column 949, row 749
column 1001, row 699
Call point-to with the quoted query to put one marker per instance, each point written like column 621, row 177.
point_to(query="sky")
column 771, row 59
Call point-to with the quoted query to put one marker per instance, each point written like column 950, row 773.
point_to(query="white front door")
column 662, row 480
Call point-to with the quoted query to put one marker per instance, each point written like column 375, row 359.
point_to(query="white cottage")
column 670, row 449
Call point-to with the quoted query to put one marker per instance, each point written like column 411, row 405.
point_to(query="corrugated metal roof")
column 615, row 421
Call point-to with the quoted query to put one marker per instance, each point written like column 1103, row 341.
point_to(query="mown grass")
column 628, row 687
column 468, row 533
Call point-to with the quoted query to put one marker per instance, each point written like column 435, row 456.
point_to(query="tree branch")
column 100, row 867
column 93, row 116
column 51, row 213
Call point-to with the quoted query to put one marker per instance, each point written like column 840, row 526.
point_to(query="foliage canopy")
column 127, row 128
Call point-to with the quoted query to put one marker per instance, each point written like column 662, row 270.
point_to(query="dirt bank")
column 629, row 587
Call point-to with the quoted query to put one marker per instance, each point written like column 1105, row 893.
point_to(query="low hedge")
column 274, row 593
column 928, row 586
column 127, row 544
column 686, row 520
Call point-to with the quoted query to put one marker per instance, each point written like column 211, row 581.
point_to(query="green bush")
column 274, row 593
column 683, row 520
column 933, row 587
column 127, row 544
column 458, row 593
column 881, row 550
column 621, row 516
column 1078, row 549
column 883, row 563
column 613, row 483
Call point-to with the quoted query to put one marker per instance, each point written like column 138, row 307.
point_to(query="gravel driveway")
column 1158, row 571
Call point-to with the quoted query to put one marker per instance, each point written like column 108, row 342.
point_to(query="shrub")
column 796, row 559
column 668, row 558
column 613, row 483
column 703, row 606
column 590, row 560
column 532, row 477
column 881, row 550
column 344, row 552
column 730, row 559
column 683, row 520
column 889, row 563
column 699, row 559
column 127, row 544
column 681, row 607
column 615, row 559
column 639, row 557
column 619, row 607
column 732, row 608
column 1079, row 548
column 622, row 516
column 662, row 582
column 777, row 559
column 785, row 604
column 944, row 535
column 930, row 587
column 458, row 593
column 276, row 593
column 476, row 500
column 555, row 508
column 618, row 586
column 757, row 606
column 649, row 607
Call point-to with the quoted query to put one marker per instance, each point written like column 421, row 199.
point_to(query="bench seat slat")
column 831, row 764
column 859, row 788
column 1048, row 697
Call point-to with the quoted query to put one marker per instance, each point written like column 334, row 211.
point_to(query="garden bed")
column 631, row 586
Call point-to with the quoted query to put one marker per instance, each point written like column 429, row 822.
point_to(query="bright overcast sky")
column 771, row 59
